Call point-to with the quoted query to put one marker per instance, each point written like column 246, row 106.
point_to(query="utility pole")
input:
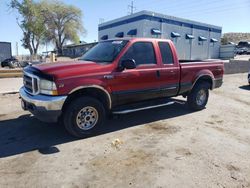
column 101, row 20
column 16, row 48
column 131, row 8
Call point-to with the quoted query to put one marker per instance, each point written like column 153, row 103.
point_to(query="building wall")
column 182, row 45
column 5, row 50
column 186, row 48
column 111, row 32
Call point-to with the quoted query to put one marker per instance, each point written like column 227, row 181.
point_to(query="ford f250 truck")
column 116, row 77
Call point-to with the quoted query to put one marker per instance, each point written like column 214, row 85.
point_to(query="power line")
column 101, row 20
column 217, row 9
column 181, row 7
column 211, row 8
column 173, row 4
column 200, row 7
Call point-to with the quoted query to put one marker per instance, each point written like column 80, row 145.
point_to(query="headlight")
column 48, row 87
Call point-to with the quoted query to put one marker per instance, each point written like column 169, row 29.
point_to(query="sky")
column 231, row 15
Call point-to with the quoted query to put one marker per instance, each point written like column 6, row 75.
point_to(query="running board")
column 143, row 108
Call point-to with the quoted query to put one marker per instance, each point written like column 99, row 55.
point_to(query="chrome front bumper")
column 45, row 108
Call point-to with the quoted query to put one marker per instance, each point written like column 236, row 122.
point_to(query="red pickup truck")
column 116, row 77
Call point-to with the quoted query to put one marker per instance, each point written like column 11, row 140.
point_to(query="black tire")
column 83, row 105
column 194, row 101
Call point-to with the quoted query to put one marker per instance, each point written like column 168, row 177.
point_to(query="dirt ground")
column 164, row 147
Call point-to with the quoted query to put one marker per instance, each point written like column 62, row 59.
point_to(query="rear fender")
column 204, row 75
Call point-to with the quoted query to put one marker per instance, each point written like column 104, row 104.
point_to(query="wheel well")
column 204, row 79
column 91, row 92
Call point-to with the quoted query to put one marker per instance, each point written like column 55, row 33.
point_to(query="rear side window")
column 166, row 53
column 142, row 53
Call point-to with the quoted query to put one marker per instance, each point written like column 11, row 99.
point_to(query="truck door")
column 170, row 71
column 140, row 83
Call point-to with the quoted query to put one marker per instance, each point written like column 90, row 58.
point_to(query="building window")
column 201, row 40
column 132, row 32
column 189, row 38
column 119, row 35
column 175, row 37
column 104, row 37
column 213, row 41
column 155, row 33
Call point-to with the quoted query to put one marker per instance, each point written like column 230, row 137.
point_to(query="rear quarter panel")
column 191, row 71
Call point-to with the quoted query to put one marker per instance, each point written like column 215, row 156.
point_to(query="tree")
column 63, row 22
column 224, row 40
column 32, row 23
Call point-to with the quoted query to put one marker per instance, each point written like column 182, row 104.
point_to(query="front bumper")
column 43, row 107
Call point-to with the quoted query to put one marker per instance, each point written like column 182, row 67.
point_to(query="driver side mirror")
column 128, row 64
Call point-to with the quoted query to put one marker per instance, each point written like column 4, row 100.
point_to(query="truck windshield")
column 104, row 51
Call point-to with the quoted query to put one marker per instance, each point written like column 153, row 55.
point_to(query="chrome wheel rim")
column 87, row 118
column 201, row 97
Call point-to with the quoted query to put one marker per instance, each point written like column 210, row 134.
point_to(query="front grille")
column 30, row 83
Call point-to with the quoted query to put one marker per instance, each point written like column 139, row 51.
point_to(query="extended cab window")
column 166, row 53
column 104, row 52
column 142, row 53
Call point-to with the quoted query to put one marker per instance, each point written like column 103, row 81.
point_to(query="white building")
column 5, row 50
column 193, row 40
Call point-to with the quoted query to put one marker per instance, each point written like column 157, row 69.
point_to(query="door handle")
column 158, row 73
column 172, row 72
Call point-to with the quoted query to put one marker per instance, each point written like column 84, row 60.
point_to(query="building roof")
column 148, row 15
column 5, row 42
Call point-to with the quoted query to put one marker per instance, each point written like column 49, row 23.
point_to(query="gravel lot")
column 164, row 147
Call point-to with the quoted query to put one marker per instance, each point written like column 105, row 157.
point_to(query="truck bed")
column 197, row 61
column 191, row 70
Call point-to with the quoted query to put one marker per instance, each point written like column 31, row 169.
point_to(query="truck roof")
column 137, row 39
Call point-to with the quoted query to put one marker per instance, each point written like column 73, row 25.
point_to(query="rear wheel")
column 198, row 97
column 84, row 116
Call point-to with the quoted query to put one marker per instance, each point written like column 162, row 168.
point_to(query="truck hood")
column 68, row 69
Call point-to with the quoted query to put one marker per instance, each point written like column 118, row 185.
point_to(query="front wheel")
column 84, row 116
column 198, row 97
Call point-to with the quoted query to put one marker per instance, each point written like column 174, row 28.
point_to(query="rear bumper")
column 217, row 82
column 43, row 107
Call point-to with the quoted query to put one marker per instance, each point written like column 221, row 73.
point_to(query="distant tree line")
column 44, row 21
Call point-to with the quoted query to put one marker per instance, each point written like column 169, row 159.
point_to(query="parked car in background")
column 241, row 51
column 243, row 47
column 14, row 63
column 10, row 62
column 243, row 44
